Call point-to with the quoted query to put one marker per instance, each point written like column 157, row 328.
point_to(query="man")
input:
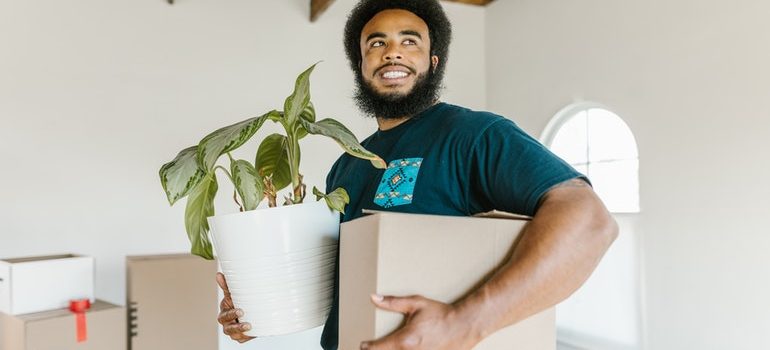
column 448, row 160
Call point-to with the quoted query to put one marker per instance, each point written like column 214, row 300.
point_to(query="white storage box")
column 44, row 283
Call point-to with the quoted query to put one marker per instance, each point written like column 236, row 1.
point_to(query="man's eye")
column 409, row 42
column 377, row 44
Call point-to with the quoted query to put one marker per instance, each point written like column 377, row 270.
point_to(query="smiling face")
column 395, row 51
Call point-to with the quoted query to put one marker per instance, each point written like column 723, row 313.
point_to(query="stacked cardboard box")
column 439, row 257
column 172, row 302
column 56, row 329
column 35, row 295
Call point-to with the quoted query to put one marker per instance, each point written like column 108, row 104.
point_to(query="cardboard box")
column 172, row 301
column 56, row 329
column 439, row 257
column 44, row 283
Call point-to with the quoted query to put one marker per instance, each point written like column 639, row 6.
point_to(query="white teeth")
column 394, row 75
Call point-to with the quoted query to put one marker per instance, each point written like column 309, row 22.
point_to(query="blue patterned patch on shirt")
column 397, row 183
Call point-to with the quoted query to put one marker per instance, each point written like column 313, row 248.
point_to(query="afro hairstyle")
column 430, row 11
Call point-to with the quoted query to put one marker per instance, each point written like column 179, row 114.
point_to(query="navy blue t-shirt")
column 447, row 160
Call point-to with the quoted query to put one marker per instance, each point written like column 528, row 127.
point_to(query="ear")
column 434, row 62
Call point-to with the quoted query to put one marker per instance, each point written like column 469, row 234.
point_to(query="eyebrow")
column 411, row 32
column 375, row 35
column 403, row 32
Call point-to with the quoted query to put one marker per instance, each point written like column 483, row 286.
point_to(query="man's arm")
column 557, row 252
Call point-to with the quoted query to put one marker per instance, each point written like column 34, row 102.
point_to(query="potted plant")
column 279, row 261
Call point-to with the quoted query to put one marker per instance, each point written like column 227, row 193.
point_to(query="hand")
column 228, row 315
column 429, row 324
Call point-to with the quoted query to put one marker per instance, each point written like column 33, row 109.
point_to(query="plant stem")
column 296, row 179
column 226, row 173
column 270, row 191
column 235, row 198
column 229, row 176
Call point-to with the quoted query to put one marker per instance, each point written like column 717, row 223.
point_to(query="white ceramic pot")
column 279, row 264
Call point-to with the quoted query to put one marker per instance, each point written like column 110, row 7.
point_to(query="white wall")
column 692, row 80
column 96, row 95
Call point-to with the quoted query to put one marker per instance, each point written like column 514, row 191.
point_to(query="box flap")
column 497, row 214
column 39, row 258
column 493, row 214
column 97, row 306
column 132, row 258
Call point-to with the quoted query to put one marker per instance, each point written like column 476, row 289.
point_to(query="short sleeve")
column 513, row 170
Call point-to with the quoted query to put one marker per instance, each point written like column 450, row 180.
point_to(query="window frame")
column 565, row 114
column 575, row 339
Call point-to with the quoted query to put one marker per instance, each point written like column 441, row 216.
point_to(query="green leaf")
column 336, row 200
column 273, row 159
column 345, row 138
column 275, row 116
column 318, row 194
column 248, row 183
column 229, row 138
column 308, row 114
column 180, row 175
column 200, row 205
column 299, row 99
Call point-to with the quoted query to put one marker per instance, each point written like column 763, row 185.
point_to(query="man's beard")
column 424, row 94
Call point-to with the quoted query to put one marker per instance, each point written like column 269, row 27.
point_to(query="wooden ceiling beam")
column 317, row 7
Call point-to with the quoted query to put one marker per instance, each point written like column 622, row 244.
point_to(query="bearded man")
column 454, row 161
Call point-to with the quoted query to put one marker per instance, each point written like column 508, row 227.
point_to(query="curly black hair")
column 430, row 11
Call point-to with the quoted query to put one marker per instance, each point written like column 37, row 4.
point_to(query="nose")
column 392, row 54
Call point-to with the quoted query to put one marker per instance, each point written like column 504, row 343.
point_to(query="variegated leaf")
column 273, row 160
column 299, row 99
column 180, row 175
column 248, row 183
column 345, row 138
column 336, row 200
column 228, row 138
column 308, row 114
column 200, row 205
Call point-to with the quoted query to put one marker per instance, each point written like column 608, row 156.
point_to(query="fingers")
column 235, row 332
column 236, row 329
column 231, row 327
column 227, row 302
column 404, row 305
column 227, row 317
column 222, row 282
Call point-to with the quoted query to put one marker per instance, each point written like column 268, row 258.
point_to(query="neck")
column 390, row 123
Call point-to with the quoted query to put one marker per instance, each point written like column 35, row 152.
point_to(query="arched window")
column 605, row 313
column 600, row 145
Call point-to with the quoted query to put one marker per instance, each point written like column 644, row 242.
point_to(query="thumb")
column 404, row 305
column 222, row 282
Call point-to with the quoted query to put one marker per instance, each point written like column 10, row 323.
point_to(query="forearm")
column 557, row 252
